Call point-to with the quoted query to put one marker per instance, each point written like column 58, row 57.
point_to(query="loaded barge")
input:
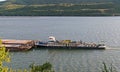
column 68, row 44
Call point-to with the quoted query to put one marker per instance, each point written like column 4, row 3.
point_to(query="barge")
column 68, row 44
column 17, row 45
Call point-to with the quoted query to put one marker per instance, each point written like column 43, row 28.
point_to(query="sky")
column 2, row 0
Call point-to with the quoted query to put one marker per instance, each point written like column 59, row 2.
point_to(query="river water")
column 88, row 29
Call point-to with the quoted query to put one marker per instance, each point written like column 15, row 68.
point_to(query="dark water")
column 90, row 29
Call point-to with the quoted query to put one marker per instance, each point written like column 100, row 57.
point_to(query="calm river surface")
column 88, row 29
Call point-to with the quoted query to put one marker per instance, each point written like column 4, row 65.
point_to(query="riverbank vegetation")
column 61, row 9
column 110, row 68
column 4, row 57
column 46, row 67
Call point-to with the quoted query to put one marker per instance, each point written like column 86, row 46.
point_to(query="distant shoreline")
column 59, row 16
column 64, row 9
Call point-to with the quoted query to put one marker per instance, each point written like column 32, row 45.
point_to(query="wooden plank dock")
column 18, row 45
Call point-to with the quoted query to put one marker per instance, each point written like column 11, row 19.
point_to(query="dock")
column 18, row 45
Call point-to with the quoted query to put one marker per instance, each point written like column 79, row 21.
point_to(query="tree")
column 46, row 67
column 4, row 57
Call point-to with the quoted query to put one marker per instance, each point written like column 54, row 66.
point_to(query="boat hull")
column 68, row 47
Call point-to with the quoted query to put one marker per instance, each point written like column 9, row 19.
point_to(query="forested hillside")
column 60, row 8
column 57, row 1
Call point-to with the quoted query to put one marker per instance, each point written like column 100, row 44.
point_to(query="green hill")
column 60, row 8
column 57, row 1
